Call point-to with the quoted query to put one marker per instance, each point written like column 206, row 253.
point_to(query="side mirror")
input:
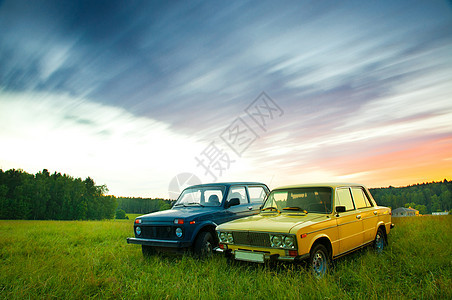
column 232, row 202
column 340, row 209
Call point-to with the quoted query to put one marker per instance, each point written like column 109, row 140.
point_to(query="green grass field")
column 91, row 259
column 133, row 216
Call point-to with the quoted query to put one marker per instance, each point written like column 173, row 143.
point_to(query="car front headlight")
column 138, row 230
column 179, row 232
column 226, row 237
column 230, row 238
column 222, row 236
column 289, row 242
column 276, row 241
column 282, row 241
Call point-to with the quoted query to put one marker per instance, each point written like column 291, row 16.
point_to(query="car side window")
column 344, row 198
column 360, row 198
column 257, row 194
column 238, row 192
column 213, row 197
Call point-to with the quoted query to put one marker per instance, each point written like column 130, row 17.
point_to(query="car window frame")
column 366, row 199
column 369, row 197
column 331, row 191
column 222, row 188
column 351, row 197
column 238, row 186
column 256, row 186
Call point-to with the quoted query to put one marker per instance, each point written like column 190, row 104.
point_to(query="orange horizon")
column 425, row 162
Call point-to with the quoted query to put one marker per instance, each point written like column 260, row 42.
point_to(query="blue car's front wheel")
column 204, row 244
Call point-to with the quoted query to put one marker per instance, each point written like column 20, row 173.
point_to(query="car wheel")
column 319, row 260
column 379, row 242
column 147, row 250
column 204, row 245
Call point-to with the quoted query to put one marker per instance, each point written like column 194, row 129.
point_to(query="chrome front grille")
column 258, row 239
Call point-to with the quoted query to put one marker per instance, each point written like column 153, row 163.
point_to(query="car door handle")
column 358, row 217
column 250, row 207
column 375, row 213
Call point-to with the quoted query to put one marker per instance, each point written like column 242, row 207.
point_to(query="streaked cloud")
column 72, row 135
column 356, row 80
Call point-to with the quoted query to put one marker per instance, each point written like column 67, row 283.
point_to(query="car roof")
column 227, row 184
column 325, row 184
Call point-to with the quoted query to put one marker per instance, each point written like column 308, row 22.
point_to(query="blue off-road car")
column 190, row 224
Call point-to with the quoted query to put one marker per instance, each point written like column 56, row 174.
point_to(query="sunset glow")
column 134, row 94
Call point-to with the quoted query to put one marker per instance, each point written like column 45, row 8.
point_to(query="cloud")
column 116, row 86
column 134, row 155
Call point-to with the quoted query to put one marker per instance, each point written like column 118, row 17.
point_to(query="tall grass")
column 91, row 259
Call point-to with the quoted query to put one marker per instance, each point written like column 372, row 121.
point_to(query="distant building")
column 440, row 213
column 405, row 212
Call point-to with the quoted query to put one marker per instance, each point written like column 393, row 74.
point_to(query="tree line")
column 426, row 197
column 46, row 196
column 143, row 205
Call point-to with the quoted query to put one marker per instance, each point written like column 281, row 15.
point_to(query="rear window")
column 360, row 198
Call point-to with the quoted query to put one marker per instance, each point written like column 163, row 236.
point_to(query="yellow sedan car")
column 317, row 223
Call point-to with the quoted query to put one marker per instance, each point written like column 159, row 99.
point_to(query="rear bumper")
column 159, row 243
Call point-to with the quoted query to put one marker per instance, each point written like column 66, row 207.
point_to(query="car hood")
column 269, row 222
column 186, row 213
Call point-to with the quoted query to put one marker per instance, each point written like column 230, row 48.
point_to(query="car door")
column 244, row 209
column 349, row 223
column 369, row 215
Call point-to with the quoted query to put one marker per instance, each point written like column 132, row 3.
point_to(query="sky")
column 148, row 97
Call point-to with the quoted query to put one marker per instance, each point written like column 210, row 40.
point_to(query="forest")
column 426, row 197
column 45, row 196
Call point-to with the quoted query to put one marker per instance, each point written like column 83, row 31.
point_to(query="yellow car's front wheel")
column 319, row 260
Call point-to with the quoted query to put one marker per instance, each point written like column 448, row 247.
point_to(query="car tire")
column 380, row 241
column 319, row 260
column 147, row 250
column 204, row 245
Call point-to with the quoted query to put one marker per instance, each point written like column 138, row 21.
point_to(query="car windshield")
column 200, row 196
column 306, row 200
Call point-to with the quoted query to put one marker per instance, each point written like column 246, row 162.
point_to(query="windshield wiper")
column 178, row 204
column 195, row 203
column 271, row 208
column 295, row 208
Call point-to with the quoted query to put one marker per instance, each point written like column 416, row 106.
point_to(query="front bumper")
column 267, row 257
column 159, row 243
